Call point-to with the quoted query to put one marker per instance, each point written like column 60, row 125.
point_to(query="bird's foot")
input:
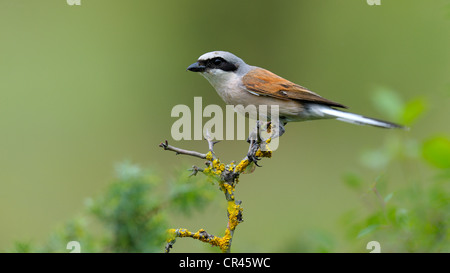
column 251, row 155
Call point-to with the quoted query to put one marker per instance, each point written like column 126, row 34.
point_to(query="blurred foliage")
column 315, row 241
column 131, row 216
column 436, row 151
column 415, row 218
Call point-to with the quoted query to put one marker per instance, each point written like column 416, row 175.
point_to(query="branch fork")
column 227, row 177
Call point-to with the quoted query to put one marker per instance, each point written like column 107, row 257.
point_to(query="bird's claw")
column 251, row 155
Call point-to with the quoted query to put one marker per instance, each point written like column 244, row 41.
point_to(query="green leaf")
column 413, row 109
column 436, row 151
column 367, row 230
column 353, row 181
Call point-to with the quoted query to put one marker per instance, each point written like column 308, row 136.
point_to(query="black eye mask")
column 220, row 63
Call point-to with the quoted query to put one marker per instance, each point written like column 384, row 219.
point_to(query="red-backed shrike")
column 238, row 83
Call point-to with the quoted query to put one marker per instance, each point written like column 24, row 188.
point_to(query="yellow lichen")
column 224, row 242
column 217, row 167
column 197, row 234
column 242, row 165
column 207, row 170
column 233, row 210
column 231, row 166
column 260, row 153
column 184, row 232
column 209, row 156
column 171, row 234
column 227, row 188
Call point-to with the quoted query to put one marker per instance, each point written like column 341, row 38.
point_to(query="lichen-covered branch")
column 201, row 235
column 227, row 176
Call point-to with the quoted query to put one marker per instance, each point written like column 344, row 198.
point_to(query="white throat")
column 224, row 82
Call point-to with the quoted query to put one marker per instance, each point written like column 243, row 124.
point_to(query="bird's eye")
column 217, row 61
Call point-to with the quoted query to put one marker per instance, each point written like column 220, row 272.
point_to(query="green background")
column 84, row 87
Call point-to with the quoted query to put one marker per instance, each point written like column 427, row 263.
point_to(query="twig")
column 201, row 235
column 195, row 170
column 227, row 177
column 178, row 151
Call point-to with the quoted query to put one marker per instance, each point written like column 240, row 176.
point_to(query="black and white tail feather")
column 357, row 119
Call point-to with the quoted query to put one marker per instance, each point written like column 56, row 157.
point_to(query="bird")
column 239, row 83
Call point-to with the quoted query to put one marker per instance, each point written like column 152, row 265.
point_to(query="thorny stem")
column 227, row 177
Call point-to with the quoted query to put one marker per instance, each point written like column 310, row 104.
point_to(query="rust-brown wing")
column 263, row 82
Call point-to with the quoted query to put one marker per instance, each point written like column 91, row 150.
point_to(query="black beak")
column 196, row 67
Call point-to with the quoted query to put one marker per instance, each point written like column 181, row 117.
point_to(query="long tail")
column 358, row 119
